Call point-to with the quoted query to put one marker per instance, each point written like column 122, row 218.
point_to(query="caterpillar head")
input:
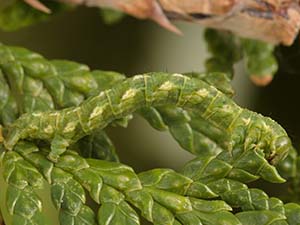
column 280, row 147
column 272, row 138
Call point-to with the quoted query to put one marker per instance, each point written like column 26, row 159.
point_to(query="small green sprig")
column 228, row 49
column 231, row 148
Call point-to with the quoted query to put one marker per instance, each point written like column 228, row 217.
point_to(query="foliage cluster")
column 53, row 115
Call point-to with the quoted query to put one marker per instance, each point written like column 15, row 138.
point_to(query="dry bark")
column 274, row 21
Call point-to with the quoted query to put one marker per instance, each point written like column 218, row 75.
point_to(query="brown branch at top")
column 268, row 20
column 38, row 5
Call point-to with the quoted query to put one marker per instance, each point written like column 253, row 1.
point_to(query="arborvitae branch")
column 227, row 49
column 15, row 14
column 162, row 195
column 235, row 146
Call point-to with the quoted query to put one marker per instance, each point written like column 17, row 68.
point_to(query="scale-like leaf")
column 227, row 49
column 42, row 85
column 236, row 146
column 23, row 180
column 15, row 14
column 162, row 195
column 115, row 210
column 260, row 62
column 113, row 184
column 98, row 146
column 264, row 217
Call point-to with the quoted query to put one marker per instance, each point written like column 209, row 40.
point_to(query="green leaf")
column 23, row 179
column 114, row 210
column 165, row 179
column 20, row 173
column 25, row 206
column 110, row 16
column 85, row 216
column 18, row 14
column 98, row 146
column 259, row 57
column 225, row 51
column 207, row 168
column 66, row 192
column 261, row 217
column 234, row 146
column 42, row 85
column 292, row 211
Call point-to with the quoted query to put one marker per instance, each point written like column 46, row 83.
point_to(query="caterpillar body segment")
column 245, row 128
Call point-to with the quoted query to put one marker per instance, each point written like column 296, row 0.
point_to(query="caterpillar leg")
column 58, row 146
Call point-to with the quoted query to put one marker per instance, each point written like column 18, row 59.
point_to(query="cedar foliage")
column 53, row 118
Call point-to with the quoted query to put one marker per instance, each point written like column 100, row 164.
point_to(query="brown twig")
column 38, row 5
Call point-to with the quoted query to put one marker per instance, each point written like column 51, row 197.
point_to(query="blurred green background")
column 133, row 47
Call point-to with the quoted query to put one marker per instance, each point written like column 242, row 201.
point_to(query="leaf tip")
column 261, row 81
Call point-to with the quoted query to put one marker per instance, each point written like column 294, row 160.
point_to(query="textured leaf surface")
column 23, row 180
column 44, row 85
column 15, row 14
column 162, row 195
column 227, row 49
column 159, row 194
column 234, row 146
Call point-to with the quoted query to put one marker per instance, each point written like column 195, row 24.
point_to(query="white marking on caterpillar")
column 33, row 127
column 69, row 112
column 202, row 92
column 129, row 94
column 266, row 127
column 70, row 127
column 138, row 77
column 167, row 86
column 247, row 121
column 52, row 113
column 49, row 129
column 36, row 114
column 101, row 94
column 96, row 112
column 180, row 75
column 226, row 108
column 123, row 179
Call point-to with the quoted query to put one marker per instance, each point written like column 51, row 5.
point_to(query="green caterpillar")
column 62, row 128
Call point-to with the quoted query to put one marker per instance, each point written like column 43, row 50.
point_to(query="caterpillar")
column 62, row 128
